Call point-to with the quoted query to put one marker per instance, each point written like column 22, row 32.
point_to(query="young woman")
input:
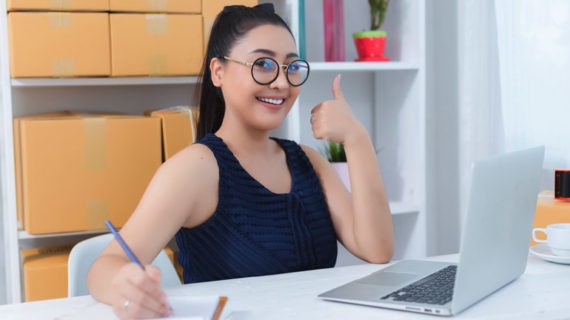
column 239, row 202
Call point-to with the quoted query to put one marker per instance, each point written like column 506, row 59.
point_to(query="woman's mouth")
column 273, row 102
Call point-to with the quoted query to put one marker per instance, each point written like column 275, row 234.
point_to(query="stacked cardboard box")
column 59, row 44
column 179, row 128
column 116, row 38
column 74, row 171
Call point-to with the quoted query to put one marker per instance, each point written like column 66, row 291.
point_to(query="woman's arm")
column 362, row 219
column 183, row 192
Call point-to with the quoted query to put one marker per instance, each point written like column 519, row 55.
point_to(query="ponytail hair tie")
column 265, row 6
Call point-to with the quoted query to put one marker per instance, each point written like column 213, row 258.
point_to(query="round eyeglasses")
column 265, row 70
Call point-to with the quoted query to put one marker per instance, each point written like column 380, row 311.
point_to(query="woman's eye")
column 265, row 64
column 294, row 67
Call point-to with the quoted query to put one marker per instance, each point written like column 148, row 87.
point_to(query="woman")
column 239, row 202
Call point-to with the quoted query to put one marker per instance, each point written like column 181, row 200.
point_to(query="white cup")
column 557, row 238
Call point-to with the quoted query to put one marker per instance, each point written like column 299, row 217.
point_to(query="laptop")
column 494, row 246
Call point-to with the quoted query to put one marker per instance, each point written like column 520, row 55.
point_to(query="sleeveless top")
column 254, row 231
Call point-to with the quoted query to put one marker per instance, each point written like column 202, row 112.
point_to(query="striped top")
column 257, row 232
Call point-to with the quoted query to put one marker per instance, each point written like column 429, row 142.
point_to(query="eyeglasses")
column 265, row 70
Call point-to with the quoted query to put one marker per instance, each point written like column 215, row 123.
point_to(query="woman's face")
column 243, row 96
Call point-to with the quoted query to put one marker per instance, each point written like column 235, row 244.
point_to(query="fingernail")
column 339, row 75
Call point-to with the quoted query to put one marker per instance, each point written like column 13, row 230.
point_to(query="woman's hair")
column 230, row 26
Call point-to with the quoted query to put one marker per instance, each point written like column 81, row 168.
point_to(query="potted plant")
column 334, row 152
column 370, row 44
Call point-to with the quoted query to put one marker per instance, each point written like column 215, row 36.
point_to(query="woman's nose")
column 281, row 81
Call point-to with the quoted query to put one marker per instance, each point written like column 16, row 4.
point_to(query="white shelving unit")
column 388, row 97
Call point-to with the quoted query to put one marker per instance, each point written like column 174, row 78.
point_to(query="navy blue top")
column 257, row 232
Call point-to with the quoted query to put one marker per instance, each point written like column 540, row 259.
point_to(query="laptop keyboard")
column 437, row 288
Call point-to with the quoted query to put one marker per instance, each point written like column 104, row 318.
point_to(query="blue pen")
column 123, row 243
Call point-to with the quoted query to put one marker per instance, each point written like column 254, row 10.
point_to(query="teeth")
column 272, row 101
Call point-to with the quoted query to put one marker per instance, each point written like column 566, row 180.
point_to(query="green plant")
column 335, row 152
column 377, row 12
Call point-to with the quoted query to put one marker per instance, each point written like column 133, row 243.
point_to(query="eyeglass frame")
column 279, row 66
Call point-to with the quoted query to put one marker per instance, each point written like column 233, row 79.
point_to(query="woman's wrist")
column 356, row 136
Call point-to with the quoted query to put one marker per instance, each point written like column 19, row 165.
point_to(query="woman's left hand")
column 333, row 120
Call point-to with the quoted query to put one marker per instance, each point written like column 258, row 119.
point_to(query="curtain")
column 534, row 51
column 514, row 82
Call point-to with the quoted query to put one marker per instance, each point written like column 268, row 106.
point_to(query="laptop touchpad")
column 384, row 278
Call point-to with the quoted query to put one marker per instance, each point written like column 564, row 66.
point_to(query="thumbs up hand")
column 333, row 120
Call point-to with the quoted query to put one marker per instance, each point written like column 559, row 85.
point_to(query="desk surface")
column 541, row 292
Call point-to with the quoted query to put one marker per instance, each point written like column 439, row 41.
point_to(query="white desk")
column 543, row 292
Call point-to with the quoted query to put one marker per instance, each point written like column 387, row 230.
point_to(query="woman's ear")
column 216, row 71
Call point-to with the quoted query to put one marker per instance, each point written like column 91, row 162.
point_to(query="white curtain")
column 534, row 51
column 514, row 82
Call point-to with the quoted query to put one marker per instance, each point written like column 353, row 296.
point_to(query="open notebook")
column 197, row 308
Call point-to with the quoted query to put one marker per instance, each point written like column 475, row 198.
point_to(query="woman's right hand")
column 138, row 293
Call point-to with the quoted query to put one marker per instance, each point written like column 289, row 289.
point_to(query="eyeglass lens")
column 265, row 70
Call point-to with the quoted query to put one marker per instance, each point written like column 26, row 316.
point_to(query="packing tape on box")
column 95, row 142
column 97, row 213
column 63, row 67
column 156, row 24
column 59, row 19
column 156, row 5
column 157, row 65
column 60, row 4
column 208, row 23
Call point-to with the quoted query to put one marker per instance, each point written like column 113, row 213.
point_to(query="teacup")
column 557, row 238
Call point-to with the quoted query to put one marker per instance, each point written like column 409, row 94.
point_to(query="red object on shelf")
column 371, row 48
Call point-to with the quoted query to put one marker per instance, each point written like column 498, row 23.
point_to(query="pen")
column 123, row 243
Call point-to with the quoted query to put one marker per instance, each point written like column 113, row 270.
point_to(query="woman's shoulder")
column 194, row 160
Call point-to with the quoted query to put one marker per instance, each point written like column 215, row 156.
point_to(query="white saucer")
column 541, row 250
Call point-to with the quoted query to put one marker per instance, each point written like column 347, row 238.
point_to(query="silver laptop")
column 494, row 246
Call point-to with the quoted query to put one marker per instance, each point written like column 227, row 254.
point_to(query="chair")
column 84, row 254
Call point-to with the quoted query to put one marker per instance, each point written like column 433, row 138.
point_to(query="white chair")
column 84, row 254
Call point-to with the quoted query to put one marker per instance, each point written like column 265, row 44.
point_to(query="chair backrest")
column 84, row 254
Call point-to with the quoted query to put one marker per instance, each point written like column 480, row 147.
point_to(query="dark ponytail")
column 230, row 26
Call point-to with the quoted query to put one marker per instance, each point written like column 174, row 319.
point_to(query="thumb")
column 153, row 273
column 337, row 93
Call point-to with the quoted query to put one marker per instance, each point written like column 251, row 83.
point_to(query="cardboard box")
column 156, row 45
column 178, row 128
column 45, row 273
column 79, row 170
column 18, row 161
column 59, row 44
column 211, row 8
column 550, row 211
column 58, row 5
column 178, row 6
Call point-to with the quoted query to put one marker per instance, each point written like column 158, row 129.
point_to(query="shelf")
column 400, row 208
column 361, row 66
column 129, row 81
column 23, row 235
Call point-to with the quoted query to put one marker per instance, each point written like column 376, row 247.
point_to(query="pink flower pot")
column 342, row 171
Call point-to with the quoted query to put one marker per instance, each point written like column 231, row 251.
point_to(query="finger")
column 153, row 272
column 136, row 311
column 148, row 282
column 337, row 93
column 143, row 303
column 316, row 108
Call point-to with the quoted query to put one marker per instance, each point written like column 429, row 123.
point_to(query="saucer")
column 541, row 250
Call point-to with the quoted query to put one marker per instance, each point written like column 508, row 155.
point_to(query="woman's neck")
column 246, row 141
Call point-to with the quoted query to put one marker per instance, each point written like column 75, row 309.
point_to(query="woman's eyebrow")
column 273, row 54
